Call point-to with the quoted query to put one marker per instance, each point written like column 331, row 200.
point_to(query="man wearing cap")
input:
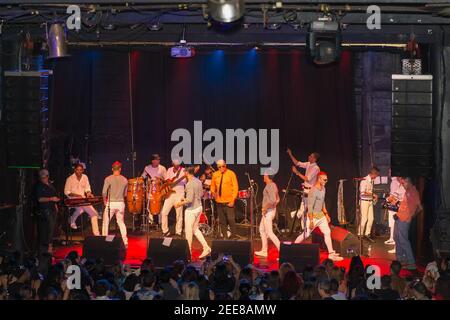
column 269, row 210
column 77, row 186
column 224, row 189
column 174, row 173
column 114, row 192
column 47, row 199
column 154, row 171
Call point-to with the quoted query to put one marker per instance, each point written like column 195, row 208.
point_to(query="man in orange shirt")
column 409, row 207
column 224, row 189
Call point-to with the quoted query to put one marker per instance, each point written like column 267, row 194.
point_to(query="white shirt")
column 366, row 186
column 73, row 185
column 158, row 172
column 170, row 174
column 396, row 188
column 311, row 172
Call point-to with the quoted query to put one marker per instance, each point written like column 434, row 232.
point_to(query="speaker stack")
column 412, row 125
column 26, row 105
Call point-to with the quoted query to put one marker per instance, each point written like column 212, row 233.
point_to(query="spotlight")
column 226, row 11
column 324, row 41
column 155, row 26
column 56, row 41
column 182, row 50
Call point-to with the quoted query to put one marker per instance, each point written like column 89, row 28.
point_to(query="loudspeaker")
column 26, row 105
column 344, row 242
column 412, row 125
column 300, row 255
column 164, row 253
column 240, row 250
column 110, row 249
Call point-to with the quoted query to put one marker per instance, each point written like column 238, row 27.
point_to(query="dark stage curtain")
column 312, row 107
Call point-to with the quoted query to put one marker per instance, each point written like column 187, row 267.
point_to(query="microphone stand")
column 251, row 210
column 284, row 201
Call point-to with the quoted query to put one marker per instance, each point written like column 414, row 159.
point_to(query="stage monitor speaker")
column 165, row 251
column 300, row 255
column 344, row 242
column 110, row 249
column 412, row 125
column 240, row 250
column 26, row 105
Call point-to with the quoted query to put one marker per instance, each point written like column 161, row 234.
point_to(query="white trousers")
column 391, row 223
column 322, row 224
column 191, row 220
column 266, row 230
column 91, row 212
column 365, row 226
column 117, row 209
column 170, row 202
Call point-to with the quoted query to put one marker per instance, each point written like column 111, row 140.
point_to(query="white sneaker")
column 205, row 253
column 73, row 225
column 335, row 257
column 391, row 251
column 261, row 253
column 389, row 241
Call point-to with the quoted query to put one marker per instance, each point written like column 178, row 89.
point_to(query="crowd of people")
column 220, row 279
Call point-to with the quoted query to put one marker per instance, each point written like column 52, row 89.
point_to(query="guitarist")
column 173, row 173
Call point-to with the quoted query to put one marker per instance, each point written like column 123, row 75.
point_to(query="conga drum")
column 154, row 196
column 135, row 195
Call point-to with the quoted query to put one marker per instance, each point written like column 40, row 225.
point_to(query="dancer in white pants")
column 114, row 192
column 397, row 192
column 193, row 203
column 174, row 173
column 318, row 217
column 77, row 186
column 309, row 179
column 367, row 199
column 269, row 209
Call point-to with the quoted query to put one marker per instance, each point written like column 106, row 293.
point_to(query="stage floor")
column 137, row 249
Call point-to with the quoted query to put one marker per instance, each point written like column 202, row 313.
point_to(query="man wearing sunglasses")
column 318, row 217
column 224, row 189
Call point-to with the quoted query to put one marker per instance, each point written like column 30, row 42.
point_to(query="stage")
column 137, row 252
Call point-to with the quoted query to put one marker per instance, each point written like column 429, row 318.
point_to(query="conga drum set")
column 144, row 197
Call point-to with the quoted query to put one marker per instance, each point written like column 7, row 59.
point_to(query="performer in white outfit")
column 193, row 203
column 269, row 210
column 114, row 193
column 396, row 193
column 318, row 217
column 309, row 178
column 174, row 173
column 154, row 171
column 77, row 186
column 367, row 199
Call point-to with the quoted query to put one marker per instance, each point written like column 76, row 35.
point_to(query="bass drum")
column 135, row 195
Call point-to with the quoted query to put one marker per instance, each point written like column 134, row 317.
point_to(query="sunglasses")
column 218, row 167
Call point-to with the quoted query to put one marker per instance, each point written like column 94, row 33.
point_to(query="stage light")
column 56, row 42
column 324, row 41
column 155, row 26
column 226, row 11
column 182, row 50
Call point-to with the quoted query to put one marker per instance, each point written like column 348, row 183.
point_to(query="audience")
column 221, row 279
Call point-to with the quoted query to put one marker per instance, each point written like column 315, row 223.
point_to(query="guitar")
column 168, row 185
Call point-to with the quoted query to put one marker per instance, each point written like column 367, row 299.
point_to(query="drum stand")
column 245, row 222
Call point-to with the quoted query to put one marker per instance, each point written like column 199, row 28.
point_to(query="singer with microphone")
column 224, row 189
column 114, row 192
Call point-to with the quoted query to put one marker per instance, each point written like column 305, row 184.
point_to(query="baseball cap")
column 43, row 173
